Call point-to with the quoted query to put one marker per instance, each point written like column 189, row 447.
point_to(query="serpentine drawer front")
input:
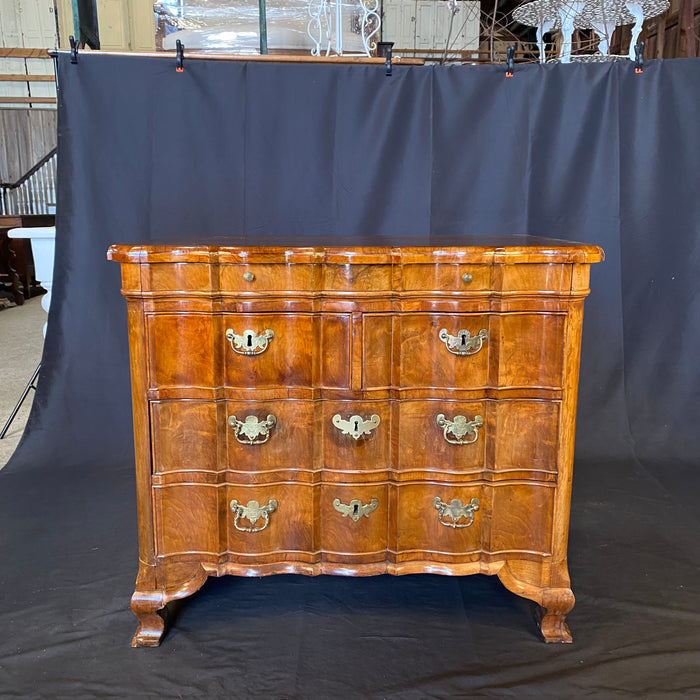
column 354, row 410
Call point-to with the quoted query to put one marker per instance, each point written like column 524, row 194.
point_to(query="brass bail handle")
column 252, row 513
column 455, row 511
column 464, row 432
column 251, row 430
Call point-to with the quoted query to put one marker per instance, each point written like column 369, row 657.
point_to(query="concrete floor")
column 21, row 343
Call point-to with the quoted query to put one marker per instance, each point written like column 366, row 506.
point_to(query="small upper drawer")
column 268, row 350
column 266, row 277
column 473, row 351
column 445, row 277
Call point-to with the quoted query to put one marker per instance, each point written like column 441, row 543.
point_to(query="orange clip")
column 509, row 74
column 180, row 70
column 638, row 70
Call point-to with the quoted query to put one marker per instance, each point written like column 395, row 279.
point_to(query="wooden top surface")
column 374, row 250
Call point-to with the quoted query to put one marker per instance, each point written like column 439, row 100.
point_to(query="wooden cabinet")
column 355, row 410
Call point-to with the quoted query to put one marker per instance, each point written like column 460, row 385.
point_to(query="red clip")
column 510, row 61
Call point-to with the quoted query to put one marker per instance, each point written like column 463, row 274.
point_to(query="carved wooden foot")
column 151, row 624
column 525, row 579
column 556, row 604
column 148, row 602
column 150, row 630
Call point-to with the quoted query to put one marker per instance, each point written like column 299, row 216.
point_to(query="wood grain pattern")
column 356, row 333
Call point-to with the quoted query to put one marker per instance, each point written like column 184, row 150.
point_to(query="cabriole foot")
column 552, row 616
column 150, row 630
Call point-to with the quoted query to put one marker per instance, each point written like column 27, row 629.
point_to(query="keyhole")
column 355, row 509
column 357, row 427
column 464, row 340
column 250, row 340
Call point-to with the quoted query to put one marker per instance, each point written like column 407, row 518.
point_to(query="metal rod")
column 263, row 27
column 272, row 58
column 29, row 386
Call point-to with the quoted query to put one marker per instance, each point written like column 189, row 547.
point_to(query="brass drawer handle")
column 249, row 343
column 355, row 509
column 252, row 431
column 356, row 425
column 463, row 343
column 253, row 512
column 460, row 427
column 456, row 511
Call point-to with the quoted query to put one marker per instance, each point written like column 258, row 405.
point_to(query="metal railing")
column 34, row 192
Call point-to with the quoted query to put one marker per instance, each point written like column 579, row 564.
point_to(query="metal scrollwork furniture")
column 398, row 409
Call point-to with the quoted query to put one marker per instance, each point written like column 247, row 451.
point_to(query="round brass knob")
column 467, row 277
column 248, row 276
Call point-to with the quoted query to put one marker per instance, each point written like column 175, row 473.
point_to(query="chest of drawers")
column 356, row 411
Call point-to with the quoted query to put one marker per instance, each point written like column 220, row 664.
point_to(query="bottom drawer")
column 265, row 524
column 438, row 519
column 354, row 523
column 275, row 519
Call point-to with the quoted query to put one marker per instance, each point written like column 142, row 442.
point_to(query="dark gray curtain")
column 593, row 153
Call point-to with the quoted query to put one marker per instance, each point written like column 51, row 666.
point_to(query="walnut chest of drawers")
column 356, row 411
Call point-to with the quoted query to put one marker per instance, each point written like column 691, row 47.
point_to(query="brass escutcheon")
column 460, row 427
column 253, row 512
column 463, row 343
column 355, row 426
column 355, row 509
column 456, row 511
column 249, row 342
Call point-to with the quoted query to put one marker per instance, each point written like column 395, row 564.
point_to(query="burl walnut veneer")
column 356, row 411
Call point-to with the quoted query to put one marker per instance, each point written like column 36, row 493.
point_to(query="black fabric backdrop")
column 592, row 153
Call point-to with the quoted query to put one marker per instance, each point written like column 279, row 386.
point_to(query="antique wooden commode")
column 400, row 408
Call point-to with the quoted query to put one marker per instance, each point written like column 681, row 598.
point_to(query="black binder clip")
column 73, row 49
column 179, row 56
column 510, row 56
column 384, row 51
column 639, row 57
